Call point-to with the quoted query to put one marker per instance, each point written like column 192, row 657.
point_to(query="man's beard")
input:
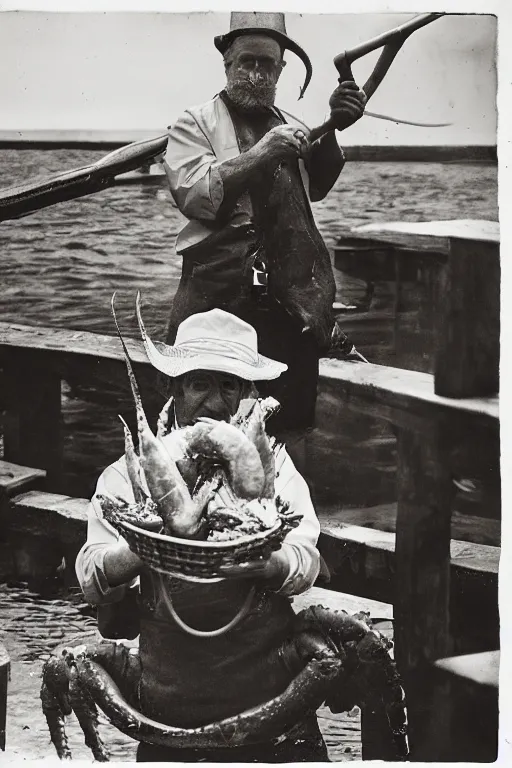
column 252, row 96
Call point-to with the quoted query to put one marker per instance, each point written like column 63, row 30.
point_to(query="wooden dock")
column 446, row 424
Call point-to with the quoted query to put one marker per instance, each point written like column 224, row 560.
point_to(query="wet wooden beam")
column 467, row 346
column 402, row 397
column 428, row 236
column 5, row 668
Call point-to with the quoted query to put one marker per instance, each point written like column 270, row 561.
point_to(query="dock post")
column 5, row 669
column 33, row 434
column 422, row 596
column 467, row 350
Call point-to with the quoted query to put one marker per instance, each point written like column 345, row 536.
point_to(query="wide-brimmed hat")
column 211, row 341
column 261, row 23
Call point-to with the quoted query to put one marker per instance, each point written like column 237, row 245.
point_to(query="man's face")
column 207, row 393
column 253, row 66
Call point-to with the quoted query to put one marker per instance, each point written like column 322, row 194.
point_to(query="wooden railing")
column 433, row 582
column 447, row 427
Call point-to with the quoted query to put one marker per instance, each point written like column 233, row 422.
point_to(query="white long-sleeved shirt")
column 200, row 140
column 298, row 547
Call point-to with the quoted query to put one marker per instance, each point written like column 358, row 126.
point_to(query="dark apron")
column 189, row 681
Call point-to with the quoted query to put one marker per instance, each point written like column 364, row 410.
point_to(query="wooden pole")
column 467, row 348
column 422, row 601
column 5, row 669
column 33, row 434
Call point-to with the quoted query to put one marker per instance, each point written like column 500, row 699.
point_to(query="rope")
column 242, row 613
column 404, row 122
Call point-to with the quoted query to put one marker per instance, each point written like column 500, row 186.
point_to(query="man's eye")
column 230, row 387
column 199, row 385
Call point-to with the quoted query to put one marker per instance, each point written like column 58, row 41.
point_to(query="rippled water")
column 61, row 265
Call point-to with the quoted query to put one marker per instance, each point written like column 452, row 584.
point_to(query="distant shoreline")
column 108, row 140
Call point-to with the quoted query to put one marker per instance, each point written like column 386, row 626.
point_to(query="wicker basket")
column 196, row 560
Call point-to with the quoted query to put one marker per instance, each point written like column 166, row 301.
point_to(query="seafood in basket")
column 213, row 482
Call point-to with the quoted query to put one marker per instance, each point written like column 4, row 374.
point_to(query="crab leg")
column 87, row 715
column 54, row 715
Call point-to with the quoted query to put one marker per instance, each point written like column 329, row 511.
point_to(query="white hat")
column 211, row 341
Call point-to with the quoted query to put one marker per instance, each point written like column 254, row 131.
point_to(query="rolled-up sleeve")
column 299, row 546
column 192, row 170
column 101, row 537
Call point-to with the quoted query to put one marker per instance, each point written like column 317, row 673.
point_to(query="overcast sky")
column 108, row 71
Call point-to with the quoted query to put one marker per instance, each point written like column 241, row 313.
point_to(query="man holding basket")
column 216, row 653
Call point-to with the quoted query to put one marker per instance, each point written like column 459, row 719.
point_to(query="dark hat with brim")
column 269, row 24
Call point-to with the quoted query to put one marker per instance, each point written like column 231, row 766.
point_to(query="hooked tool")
column 391, row 42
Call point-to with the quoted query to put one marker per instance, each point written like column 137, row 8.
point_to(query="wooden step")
column 49, row 515
column 41, row 529
column 464, row 723
column 16, row 479
column 480, row 668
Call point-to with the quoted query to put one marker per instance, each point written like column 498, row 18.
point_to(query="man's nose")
column 257, row 70
column 215, row 402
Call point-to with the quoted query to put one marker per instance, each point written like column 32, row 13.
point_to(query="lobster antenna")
column 141, row 416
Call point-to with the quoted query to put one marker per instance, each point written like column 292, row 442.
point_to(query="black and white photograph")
column 251, row 350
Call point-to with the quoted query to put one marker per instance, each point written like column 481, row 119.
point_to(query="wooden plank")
column 79, row 357
column 33, row 428
column 382, row 517
column 370, row 554
column 68, row 342
column 428, row 236
column 464, row 555
column 394, row 390
column 15, row 478
column 467, row 346
column 480, row 668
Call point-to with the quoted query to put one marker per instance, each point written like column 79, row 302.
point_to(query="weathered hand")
column 120, row 564
column 272, row 570
column 347, row 104
column 282, row 142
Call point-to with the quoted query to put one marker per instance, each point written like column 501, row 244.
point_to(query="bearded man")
column 244, row 173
